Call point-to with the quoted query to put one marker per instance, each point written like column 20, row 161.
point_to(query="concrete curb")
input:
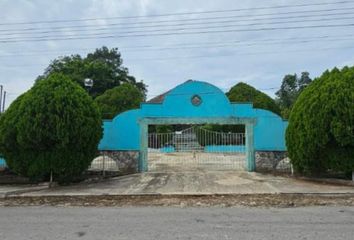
column 176, row 194
column 277, row 200
column 36, row 188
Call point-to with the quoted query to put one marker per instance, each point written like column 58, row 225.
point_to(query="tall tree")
column 290, row 89
column 119, row 99
column 243, row 92
column 104, row 66
column 304, row 81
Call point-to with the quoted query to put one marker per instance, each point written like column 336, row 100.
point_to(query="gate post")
column 142, row 165
column 251, row 164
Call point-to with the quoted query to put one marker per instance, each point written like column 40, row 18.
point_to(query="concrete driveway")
column 208, row 182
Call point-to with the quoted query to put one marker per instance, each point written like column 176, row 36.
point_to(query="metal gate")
column 196, row 148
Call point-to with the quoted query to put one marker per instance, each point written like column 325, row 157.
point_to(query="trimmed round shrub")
column 54, row 127
column 320, row 135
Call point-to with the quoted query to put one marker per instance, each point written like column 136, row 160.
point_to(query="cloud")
column 262, row 64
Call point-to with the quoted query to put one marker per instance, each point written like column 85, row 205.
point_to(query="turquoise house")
column 192, row 102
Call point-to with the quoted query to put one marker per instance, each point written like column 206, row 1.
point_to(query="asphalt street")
column 176, row 223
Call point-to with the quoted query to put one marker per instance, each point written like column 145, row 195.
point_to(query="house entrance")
column 196, row 147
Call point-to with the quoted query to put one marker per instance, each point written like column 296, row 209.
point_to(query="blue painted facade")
column 225, row 148
column 123, row 132
column 168, row 149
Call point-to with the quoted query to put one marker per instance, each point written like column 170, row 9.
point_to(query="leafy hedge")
column 320, row 135
column 55, row 126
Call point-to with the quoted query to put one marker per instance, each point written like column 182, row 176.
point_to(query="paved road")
column 176, row 223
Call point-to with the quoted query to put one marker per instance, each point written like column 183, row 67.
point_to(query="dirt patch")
column 248, row 200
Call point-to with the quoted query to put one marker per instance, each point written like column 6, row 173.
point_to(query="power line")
column 194, row 21
column 215, row 55
column 243, row 54
column 183, row 29
column 246, row 44
column 180, row 14
column 214, row 44
column 98, row 36
column 175, row 25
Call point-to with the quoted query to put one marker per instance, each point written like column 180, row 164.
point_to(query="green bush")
column 54, row 127
column 320, row 135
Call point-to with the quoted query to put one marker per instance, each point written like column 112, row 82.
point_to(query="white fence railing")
column 103, row 163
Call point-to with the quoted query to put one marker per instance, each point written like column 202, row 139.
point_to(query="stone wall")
column 127, row 161
column 272, row 161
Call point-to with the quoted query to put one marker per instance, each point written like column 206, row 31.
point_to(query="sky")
column 165, row 43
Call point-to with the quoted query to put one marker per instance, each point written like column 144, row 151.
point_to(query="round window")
column 196, row 100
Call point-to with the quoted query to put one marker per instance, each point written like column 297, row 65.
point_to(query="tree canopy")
column 104, row 66
column 54, row 127
column 290, row 89
column 320, row 135
column 119, row 99
column 243, row 92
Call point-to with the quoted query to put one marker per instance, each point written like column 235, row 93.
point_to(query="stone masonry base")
column 127, row 161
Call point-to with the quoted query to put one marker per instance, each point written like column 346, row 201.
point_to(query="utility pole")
column 1, row 87
column 3, row 102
